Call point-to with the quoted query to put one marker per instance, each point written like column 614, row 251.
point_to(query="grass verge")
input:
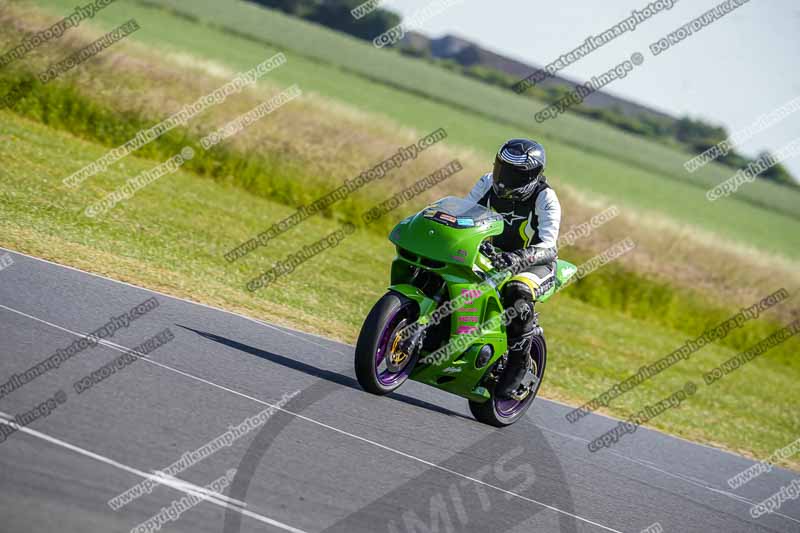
column 591, row 157
column 170, row 237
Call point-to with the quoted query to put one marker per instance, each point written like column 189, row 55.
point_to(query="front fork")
column 409, row 340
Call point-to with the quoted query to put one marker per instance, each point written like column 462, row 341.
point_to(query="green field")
column 332, row 48
column 591, row 156
column 172, row 235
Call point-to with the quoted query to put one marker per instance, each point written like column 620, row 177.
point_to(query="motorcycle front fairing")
column 438, row 251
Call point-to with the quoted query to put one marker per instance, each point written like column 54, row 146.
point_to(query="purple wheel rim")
column 386, row 377
column 508, row 408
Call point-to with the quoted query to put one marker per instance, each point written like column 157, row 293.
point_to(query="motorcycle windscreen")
column 459, row 213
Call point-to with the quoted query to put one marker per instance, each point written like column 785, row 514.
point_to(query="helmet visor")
column 509, row 178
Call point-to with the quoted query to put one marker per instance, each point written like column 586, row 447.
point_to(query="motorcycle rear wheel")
column 501, row 413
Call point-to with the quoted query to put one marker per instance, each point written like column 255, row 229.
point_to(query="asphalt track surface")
column 333, row 458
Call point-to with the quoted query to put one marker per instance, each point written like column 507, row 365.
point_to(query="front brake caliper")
column 398, row 353
column 403, row 349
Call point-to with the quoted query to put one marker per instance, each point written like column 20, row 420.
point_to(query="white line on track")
column 302, row 335
column 122, row 349
column 687, row 479
column 183, row 486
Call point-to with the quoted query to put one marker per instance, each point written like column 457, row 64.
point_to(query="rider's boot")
column 521, row 329
column 516, row 367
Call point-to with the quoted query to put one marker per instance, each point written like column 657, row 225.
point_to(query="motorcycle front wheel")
column 380, row 368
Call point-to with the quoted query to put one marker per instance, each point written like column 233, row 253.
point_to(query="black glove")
column 532, row 256
column 522, row 259
column 488, row 250
column 507, row 260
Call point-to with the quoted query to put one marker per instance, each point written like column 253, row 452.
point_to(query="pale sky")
column 731, row 72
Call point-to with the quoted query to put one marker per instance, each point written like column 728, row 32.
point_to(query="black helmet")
column 517, row 168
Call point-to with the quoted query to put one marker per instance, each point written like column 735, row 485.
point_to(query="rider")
column 517, row 190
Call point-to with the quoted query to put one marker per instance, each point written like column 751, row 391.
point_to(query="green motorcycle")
column 442, row 321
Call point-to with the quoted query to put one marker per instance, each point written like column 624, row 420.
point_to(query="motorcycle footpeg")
column 527, row 384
